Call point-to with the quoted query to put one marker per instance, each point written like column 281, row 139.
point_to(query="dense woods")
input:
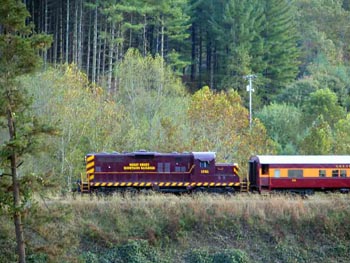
column 209, row 42
column 117, row 75
column 299, row 50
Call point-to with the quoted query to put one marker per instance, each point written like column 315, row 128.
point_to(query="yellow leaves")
column 219, row 122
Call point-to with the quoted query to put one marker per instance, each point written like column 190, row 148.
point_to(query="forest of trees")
column 208, row 42
column 145, row 64
column 166, row 75
column 295, row 48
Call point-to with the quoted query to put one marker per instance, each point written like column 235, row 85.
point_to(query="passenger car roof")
column 302, row 159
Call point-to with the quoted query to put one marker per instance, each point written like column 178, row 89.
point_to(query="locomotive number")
column 204, row 171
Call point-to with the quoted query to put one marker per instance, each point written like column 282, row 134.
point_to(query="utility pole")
column 250, row 90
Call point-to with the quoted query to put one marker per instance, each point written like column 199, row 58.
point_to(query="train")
column 199, row 172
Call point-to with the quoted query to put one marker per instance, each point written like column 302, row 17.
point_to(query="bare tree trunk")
column 80, row 34
column 162, row 39
column 99, row 50
column 75, row 33
column 16, row 195
column 57, row 36
column 67, row 33
column 45, row 30
column 118, row 54
column 110, row 59
column 103, row 67
column 88, row 48
column 94, row 51
column 144, row 36
column 61, row 34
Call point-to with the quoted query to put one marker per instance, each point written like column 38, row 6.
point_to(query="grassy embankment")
column 169, row 228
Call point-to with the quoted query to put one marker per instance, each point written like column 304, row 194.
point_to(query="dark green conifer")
column 281, row 50
column 19, row 47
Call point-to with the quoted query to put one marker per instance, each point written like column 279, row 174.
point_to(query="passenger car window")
column 295, row 173
column 265, row 169
column 322, row 173
column 277, row 173
column 335, row 173
column 342, row 173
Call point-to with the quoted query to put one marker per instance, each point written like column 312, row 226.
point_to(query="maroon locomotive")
column 300, row 173
column 170, row 172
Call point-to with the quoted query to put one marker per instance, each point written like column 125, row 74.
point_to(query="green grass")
column 197, row 228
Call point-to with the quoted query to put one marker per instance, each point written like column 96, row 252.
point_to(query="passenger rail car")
column 171, row 172
column 304, row 174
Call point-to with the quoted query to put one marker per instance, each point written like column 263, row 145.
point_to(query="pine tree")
column 241, row 46
column 281, row 50
column 19, row 47
column 226, row 42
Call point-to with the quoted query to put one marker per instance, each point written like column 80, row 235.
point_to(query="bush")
column 225, row 256
column 231, row 256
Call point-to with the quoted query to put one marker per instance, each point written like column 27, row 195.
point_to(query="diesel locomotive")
column 198, row 171
column 165, row 172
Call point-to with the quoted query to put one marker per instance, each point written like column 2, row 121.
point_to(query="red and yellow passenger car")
column 300, row 173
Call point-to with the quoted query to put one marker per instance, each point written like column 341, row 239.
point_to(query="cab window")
column 204, row 164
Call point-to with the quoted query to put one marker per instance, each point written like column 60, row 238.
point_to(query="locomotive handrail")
column 84, row 181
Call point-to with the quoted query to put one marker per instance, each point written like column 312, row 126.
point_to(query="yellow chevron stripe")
column 218, row 184
column 230, row 184
column 187, row 184
column 122, row 184
column 237, row 184
column 97, row 184
column 116, row 184
column 193, row 184
column 161, row 184
column 91, row 171
column 136, row 184
column 89, row 165
column 180, row 184
column 224, row 184
column 109, row 184
column 103, row 184
column 174, row 184
column 212, row 184
column 205, row 184
column 90, row 158
column 167, row 184
column 149, row 184
column 129, row 184
column 199, row 184
column 91, row 177
column 142, row 184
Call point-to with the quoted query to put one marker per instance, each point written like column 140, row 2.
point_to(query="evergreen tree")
column 241, row 47
column 281, row 50
column 19, row 47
